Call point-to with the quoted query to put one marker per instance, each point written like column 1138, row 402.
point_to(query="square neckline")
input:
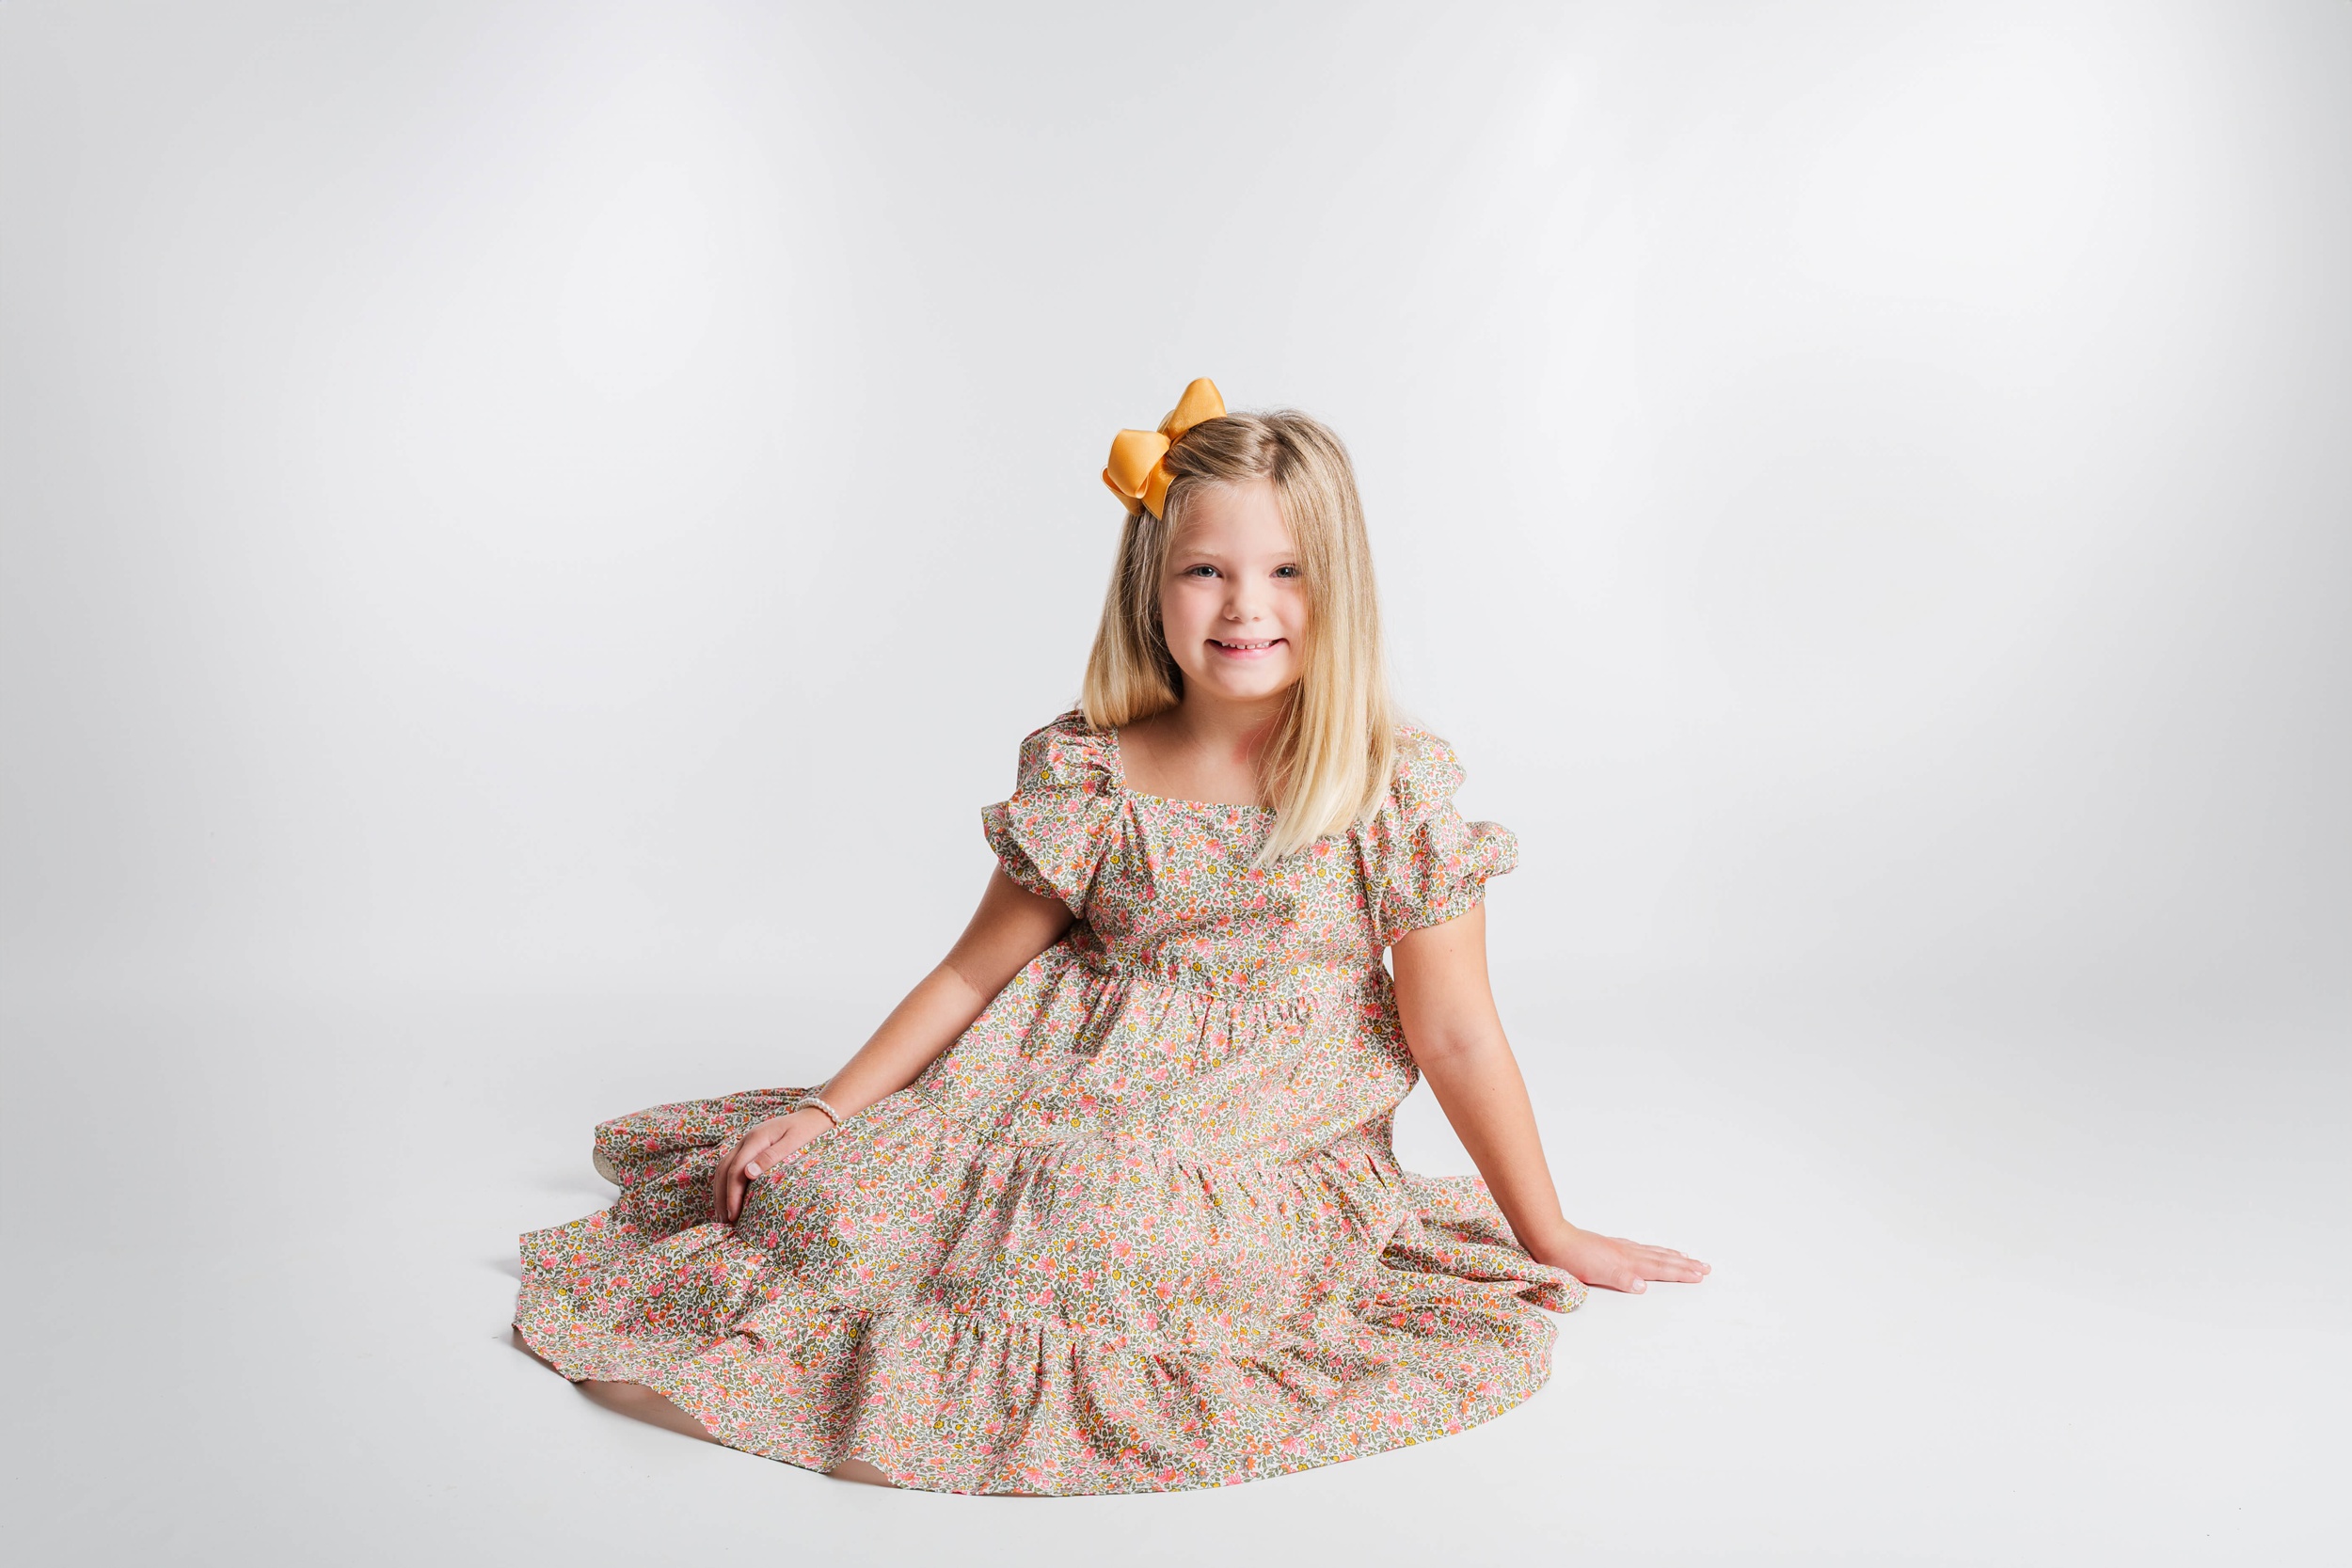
column 1118, row 781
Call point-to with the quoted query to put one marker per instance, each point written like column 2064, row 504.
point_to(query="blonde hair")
column 1326, row 765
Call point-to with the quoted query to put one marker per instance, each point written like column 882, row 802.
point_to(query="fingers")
column 740, row 1168
column 720, row 1176
column 1658, row 1263
column 750, row 1161
column 771, row 1144
column 1635, row 1265
column 768, row 1146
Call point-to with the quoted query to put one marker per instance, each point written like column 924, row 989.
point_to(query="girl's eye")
column 1201, row 571
column 1286, row 571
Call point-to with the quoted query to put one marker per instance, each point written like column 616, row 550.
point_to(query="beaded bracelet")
column 810, row 1102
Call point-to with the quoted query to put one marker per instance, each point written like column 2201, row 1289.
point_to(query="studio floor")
column 2020, row 1282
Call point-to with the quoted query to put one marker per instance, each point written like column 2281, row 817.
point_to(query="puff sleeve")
column 1424, row 864
column 1050, row 837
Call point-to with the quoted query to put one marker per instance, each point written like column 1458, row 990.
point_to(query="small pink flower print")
column 1248, row 1045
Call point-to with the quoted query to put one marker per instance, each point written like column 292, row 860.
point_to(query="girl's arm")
column 1011, row 927
column 1455, row 1036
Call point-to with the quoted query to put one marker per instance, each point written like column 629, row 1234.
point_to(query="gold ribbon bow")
column 1136, row 475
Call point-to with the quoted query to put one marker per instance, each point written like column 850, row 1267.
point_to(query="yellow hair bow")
column 1136, row 475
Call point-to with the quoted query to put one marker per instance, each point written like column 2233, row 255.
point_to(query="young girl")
column 1108, row 1203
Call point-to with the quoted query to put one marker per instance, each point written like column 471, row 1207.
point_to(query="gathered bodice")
column 1165, row 890
column 1199, row 1005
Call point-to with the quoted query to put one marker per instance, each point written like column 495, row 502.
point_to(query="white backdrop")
column 533, row 496
column 576, row 506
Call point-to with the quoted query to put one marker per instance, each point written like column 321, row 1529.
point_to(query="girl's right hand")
column 770, row 1143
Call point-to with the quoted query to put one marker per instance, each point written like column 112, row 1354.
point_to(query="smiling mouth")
column 1246, row 650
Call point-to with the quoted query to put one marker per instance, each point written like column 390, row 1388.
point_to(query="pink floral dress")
column 1139, row 1228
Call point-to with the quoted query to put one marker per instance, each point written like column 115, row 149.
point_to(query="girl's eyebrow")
column 1180, row 551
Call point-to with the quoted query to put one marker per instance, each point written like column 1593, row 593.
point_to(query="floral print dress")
column 1139, row 1228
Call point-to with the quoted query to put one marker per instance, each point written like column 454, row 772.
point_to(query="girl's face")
column 1233, row 599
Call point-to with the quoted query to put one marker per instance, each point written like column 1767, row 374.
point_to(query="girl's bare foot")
column 636, row 1400
column 860, row 1471
column 633, row 1399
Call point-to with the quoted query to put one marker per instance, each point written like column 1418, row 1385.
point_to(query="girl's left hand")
column 1614, row 1263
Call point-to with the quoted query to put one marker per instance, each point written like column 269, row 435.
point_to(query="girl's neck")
column 1200, row 751
column 1225, row 731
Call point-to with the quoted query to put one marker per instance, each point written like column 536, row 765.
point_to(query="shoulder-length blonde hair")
column 1327, row 763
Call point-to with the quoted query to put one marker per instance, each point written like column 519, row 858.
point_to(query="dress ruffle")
column 1048, row 837
column 1425, row 863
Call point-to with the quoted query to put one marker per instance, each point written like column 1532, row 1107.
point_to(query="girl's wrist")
column 1553, row 1242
